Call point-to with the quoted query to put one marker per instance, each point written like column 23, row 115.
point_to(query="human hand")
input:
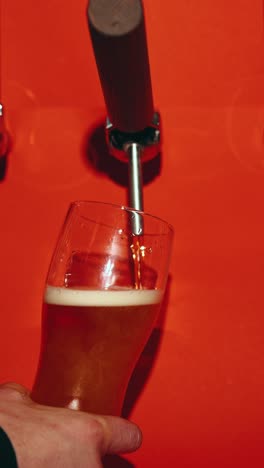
column 61, row 438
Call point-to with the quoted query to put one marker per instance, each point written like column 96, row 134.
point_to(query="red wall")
column 199, row 388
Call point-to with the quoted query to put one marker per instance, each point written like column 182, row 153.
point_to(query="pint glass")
column 102, row 296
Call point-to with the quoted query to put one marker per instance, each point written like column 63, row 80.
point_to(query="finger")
column 15, row 391
column 120, row 435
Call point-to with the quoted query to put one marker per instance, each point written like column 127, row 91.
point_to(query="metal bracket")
column 148, row 140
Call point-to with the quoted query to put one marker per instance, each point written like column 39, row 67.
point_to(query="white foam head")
column 100, row 298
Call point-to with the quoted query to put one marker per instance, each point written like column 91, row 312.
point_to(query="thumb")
column 14, row 391
column 120, row 435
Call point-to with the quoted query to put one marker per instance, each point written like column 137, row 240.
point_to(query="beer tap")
column 118, row 36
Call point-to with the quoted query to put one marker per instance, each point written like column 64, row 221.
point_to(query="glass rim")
column 124, row 208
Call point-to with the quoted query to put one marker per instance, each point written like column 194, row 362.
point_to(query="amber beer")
column 104, row 289
column 91, row 340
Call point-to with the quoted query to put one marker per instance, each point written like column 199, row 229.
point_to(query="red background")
column 202, row 401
